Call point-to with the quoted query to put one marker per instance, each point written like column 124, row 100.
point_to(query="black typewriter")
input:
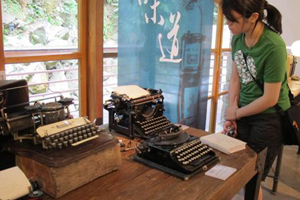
column 137, row 112
column 176, row 153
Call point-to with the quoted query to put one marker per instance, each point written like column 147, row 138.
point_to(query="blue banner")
column 166, row 44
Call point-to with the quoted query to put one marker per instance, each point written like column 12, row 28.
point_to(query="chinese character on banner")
column 172, row 35
column 175, row 46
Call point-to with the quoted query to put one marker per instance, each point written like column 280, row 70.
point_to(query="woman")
column 257, row 42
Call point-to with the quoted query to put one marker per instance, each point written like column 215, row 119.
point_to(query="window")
column 40, row 40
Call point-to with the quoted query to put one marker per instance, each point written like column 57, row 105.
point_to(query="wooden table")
column 136, row 181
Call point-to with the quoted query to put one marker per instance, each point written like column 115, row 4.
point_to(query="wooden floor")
column 289, row 180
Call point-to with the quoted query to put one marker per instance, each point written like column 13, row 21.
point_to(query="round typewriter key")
column 66, row 143
column 71, row 141
column 52, row 137
column 94, row 132
column 61, row 139
column 89, row 134
column 84, row 132
column 66, row 137
column 59, row 145
column 75, row 134
column 70, row 136
column 47, row 139
column 55, row 140
column 85, row 136
column 53, row 145
column 80, row 137
column 75, row 139
column 79, row 132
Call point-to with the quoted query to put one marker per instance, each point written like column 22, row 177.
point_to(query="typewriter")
column 46, row 121
column 138, row 112
column 181, row 154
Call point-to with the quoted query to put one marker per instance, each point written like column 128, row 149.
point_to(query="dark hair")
column 247, row 7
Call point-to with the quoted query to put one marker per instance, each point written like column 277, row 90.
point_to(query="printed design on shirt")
column 242, row 67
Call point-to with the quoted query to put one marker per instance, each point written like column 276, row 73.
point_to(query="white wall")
column 290, row 10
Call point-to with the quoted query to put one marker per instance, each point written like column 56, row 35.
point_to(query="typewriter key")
column 80, row 137
column 75, row 139
column 59, row 145
column 71, row 141
column 65, row 143
column 53, row 145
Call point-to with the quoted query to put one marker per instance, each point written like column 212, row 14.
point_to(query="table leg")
column 252, row 187
column 277, row 171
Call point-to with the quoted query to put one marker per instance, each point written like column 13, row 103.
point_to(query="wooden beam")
column 217, row 71
column 95, row 59
column 1, row 41
column 82, row 45
column 39, row 57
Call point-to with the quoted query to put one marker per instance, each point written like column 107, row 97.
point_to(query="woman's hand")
column 231, row 112
column 228, row 125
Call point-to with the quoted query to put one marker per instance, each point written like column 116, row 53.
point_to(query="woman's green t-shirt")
column 267, row 62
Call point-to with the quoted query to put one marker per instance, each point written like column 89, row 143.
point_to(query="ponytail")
column 273, row 18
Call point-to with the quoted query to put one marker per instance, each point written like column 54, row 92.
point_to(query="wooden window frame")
column 89, row 55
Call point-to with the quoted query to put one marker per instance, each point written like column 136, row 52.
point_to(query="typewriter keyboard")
column 154, row 125
column 191, row 155
column 66, row 133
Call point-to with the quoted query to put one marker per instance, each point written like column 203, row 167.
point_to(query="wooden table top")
column 136, row 181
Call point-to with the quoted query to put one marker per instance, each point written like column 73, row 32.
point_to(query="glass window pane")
column 222, row 103
column 208, row 115
column 48, row 79
column 214, row 31
column 110, row 27
column 40, row 24
column 226, row 65
column 110, row 80
column 226, row 40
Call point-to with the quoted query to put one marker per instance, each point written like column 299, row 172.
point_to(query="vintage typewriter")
column 137, row 112
column 46, row 121
column 176, row 153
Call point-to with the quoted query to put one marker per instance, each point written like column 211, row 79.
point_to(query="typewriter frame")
column 125, row 112
column 24, row 126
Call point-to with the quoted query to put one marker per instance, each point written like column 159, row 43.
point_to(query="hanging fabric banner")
column 166, row 44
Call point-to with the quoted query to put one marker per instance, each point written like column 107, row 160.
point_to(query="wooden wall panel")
column 95, row 59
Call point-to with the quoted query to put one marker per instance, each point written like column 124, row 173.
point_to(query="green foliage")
column 56, row 12
column 13, row 7
column 110, row 27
